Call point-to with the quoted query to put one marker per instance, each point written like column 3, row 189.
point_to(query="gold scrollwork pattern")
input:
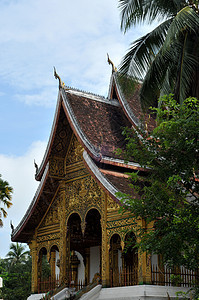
column 111, row 204
column 56, row 166
column 53, row 215
column 120, row 227
column 82, row 194
column 48, row 237
column 76, row 174
column 75, row 152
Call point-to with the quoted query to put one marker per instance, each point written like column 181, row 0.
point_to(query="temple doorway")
column 85, row 248
column 92, row 242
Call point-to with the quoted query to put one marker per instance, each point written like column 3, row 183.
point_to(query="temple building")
column 73, row 219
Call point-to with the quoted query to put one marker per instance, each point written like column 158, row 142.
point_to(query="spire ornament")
column 36, row 166
column 61, row 83
column 114, row 69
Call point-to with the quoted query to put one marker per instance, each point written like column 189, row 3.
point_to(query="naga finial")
column 114, row 69
column 36, row 166
column 61, row 83
column 12, row 227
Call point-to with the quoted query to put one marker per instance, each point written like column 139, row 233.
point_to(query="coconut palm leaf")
column 171, row 71
column 5, row 198
column 142, row 52
column 138, row 11
column 17, row 253
column 186, row 20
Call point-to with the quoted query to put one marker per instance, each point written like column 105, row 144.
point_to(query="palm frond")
column 138, row 11
column 142, row 52
column 186, row 67
column 186, row 20
column 171, row 71
column 131, row 12
column 155, row 77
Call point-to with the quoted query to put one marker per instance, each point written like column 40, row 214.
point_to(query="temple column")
column 33, row 252
column 52, row 265
column 74, row 268
column 105, row 246
column 64, row 239
column 87, row 266
column 144, row 263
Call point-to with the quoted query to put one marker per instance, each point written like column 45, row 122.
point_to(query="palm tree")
column 17, row 253
column 5, row 198
column 167, row 58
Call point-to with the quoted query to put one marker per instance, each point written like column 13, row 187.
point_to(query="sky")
column 35, row 35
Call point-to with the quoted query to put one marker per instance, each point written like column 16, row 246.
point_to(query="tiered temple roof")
column 97, row 123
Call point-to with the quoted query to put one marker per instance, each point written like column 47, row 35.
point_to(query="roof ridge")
column 83, row 91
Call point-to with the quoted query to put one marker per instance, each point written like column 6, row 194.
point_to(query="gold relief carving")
column 51, row 236
column 122, row 245
column 120, row 223
column 83, row 226
column 111, row 204
column 57, row 166
column 83, row 193
column 75, row 152
column 76, row 174
column 121, row 227
column 53, row 215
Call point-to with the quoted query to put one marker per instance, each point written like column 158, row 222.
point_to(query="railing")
column 45, row 285
column 124, row 277
column 177, row 277
column 129, row 276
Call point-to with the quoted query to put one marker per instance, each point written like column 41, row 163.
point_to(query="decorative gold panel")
column 75, row 152
column 56, row 166
column 111, row 204
column 48, row 237
column 120, row 226
column 53, row 215
column 83, row 194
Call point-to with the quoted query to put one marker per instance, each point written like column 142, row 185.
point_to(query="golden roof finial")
column 61, row 83
column 114, row 69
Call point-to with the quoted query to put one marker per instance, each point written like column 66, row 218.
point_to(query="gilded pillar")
column 87, row 266
column 52, row 265
column 63, row 236
column 74, row 268
column 105, row 245
column 33, row 252
column 144, row 264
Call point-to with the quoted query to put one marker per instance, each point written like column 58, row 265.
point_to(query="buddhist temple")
column 73, row 219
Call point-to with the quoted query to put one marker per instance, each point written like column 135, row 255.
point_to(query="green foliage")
column 45, row 268
column 5, row 198
column 166, row 59
column 168, row 197
column 16, row 275
column 17, row 254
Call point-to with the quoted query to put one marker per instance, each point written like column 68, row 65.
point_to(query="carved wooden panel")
column 56, row 166
column 82, row 195
column 53, row 215
column 75, row 151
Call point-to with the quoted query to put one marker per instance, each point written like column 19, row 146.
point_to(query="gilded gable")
column 74, row 153
column 52, row 216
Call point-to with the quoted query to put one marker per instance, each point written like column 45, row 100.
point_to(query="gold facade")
column 76, row 196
